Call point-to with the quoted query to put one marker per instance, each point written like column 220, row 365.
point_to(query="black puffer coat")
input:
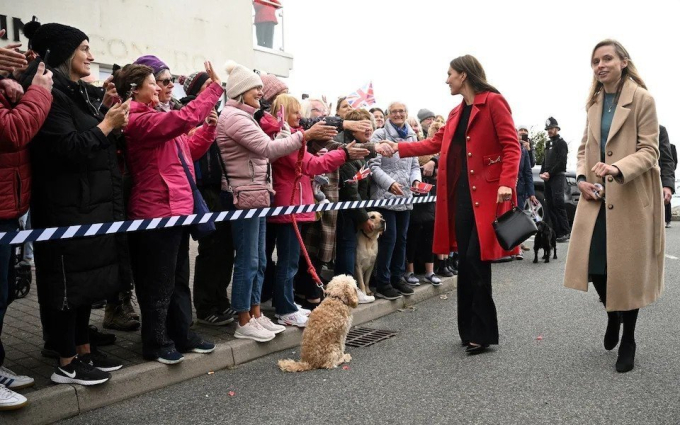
column 76, row 180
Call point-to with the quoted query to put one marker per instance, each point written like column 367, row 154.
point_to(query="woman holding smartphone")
column 620, row 184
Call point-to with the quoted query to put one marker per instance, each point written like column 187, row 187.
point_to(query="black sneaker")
column 215, row 319
column 79, row 372
column 170, row 357
column 101, row 361
column 229, row 312
column 99, row 338
column 387, row 293
column 204, row 347
column 403, row 288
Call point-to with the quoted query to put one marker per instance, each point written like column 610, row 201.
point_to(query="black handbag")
column 198, row 230
column 513, row 227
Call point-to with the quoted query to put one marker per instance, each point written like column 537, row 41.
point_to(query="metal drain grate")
column 363, row 337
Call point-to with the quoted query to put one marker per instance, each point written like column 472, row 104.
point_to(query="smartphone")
column 525, row 137
column 281, row 115
column 47, row 55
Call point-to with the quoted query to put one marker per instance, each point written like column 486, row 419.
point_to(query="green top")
column 608, row 110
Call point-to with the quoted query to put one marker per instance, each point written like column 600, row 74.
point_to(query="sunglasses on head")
column 167, row 81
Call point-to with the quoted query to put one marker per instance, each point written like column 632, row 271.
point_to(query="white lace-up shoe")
column 293, row 319
column 9, row 400
column 363, row 298
column 253, row 330
column 269, row 325
column 16, row 382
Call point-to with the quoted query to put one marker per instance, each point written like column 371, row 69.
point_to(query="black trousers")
column 554, row 198
column 214, row 263
column 668, row 213
column 419, row 241
column 64, row 330
column 477, row 318
column 160, row 262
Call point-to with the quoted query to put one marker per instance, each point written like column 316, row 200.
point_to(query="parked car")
column 571, row 195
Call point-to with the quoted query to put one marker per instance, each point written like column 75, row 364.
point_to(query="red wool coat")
column 492, row 153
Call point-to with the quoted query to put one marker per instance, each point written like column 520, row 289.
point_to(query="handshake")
column 386, row 148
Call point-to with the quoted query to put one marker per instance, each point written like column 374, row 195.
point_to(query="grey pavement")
column 550, row 367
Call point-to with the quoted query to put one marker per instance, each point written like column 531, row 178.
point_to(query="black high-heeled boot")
column 611, row 335
column 626, row 360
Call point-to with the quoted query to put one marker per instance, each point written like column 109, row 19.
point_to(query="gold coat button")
column 610, row 206
column 472, row 171
column 474, row 188
column 469, row 153
column 476, row 204
column 610, row 153
column 468, row 138
column 610, row 179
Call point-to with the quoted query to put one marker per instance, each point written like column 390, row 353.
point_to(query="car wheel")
column 540, row 208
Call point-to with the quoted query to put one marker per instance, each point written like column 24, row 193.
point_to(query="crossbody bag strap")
column 224, row 167
column 187, row 171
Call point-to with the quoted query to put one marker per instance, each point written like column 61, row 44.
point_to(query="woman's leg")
column 179, row 311
column 259, row 234
column 413, row 240
column 611, row 335
column 386, row 249
column 82, row 330
column 626, row 360
column 484, row 320
column 154, row 261
column 288, row 257
column 346, row 244
column 246, row 263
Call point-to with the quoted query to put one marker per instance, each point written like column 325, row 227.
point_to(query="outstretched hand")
column 212, row 73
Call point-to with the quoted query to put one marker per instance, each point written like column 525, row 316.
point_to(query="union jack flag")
column 363, row 97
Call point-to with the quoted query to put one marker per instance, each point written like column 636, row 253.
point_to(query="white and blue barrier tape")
column 96, row 229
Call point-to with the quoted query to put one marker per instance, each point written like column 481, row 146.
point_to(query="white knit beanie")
column 241, row 79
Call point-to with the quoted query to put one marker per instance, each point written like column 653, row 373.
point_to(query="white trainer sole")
column 59, row 379
column 254, row 338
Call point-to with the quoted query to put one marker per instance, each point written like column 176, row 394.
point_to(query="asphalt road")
column 550, row 367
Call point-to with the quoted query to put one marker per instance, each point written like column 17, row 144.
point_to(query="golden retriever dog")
column 367, row 251
column 323, row 340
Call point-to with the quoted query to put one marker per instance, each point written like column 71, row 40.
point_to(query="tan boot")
column 128, row 300
column 116, row 318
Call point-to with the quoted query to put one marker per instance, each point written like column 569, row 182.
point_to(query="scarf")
column 401, row 131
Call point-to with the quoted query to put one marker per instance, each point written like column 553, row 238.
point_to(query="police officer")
column 552, row 172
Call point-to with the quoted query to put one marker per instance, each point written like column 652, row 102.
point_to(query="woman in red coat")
column 477, row 171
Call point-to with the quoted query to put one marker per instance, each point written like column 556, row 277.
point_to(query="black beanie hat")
column 61, row 40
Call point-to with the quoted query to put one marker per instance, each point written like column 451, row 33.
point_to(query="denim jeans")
column 250, row 262
column 287, row 260
column 390, row 264
column 7, row 276
column 346, row 244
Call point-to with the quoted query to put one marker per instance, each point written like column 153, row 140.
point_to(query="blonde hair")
column 288, row 102
column 434, row 128
column 629, row 72
column 415, row 124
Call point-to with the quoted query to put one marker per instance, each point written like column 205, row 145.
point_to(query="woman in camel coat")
column 623, row 225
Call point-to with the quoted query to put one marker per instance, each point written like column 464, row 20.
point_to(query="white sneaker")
column 11, row 380
column 269, row 325
column 303, row 310
column 293, row 319
column 9, row 400
column 363, row 298
column 253, row 330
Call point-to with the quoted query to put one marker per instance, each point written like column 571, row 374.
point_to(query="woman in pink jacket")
column 287, row 245
column 156, row 144
column 246, row 151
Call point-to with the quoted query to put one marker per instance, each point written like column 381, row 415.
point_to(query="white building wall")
column 183, row 33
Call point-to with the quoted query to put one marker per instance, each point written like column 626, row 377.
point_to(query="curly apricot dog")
column 323, row 340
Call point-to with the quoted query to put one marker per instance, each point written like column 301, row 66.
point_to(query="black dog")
column 545, row 239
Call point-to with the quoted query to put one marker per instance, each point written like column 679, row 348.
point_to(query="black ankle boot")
column 626, row 360
column 611, row 335
column 441, row 269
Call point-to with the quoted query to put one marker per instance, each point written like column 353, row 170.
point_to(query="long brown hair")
column 628, row 72
column 476, row 76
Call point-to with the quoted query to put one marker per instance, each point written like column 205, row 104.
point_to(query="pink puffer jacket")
column 246, row 149
column 160, row 186
column 284, row 177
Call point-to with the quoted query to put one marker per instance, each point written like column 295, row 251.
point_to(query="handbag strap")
column 187, row 171
column 499, row 203
column 224, row 168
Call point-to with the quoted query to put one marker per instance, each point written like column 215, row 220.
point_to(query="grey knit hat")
column 424, row 114
column 241, row 79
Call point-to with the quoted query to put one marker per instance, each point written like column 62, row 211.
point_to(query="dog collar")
column 367, row 237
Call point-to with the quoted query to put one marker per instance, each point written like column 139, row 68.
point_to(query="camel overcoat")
column 634, row 203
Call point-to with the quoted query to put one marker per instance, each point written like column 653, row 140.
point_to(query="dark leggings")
column 419, row 242
column 628, row 318
column 66, row 329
